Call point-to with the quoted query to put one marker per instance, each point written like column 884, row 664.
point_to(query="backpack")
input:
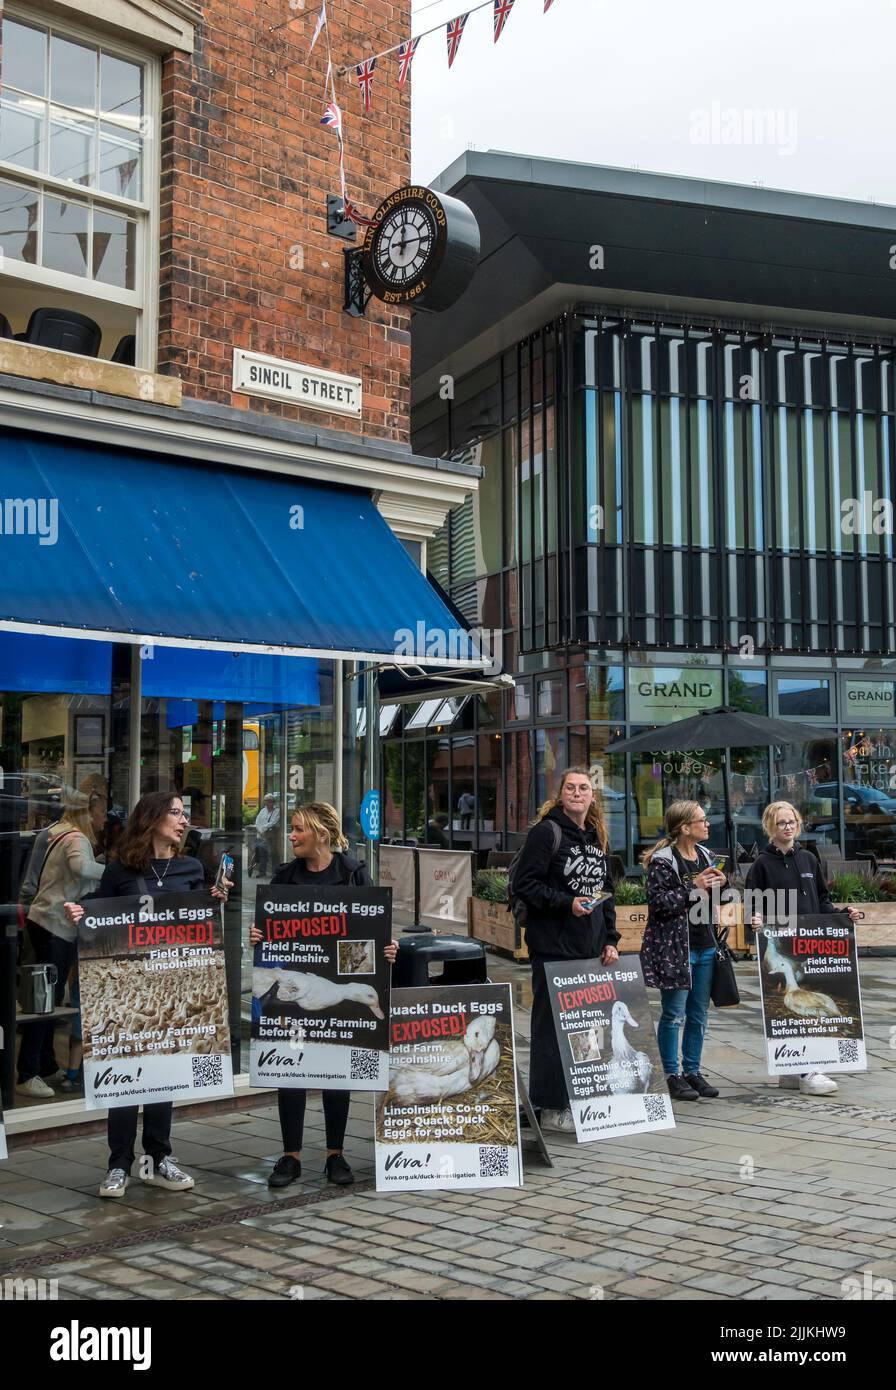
column 516, row 904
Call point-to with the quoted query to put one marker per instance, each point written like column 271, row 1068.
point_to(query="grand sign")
column 662, row 694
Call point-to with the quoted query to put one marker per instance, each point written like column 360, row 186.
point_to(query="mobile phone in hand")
column 225, row 871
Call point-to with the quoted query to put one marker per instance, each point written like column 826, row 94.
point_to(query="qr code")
column 847, row 1050
column 208, row 1070
column 365, row 1064
column 493, row 1163
column 655, row 1108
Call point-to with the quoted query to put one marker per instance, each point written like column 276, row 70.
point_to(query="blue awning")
column 99, row 542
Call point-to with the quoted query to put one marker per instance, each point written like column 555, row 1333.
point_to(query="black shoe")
column 700, row 1085
column 338, row 1171
column 680, row 1090
column 286, row 1170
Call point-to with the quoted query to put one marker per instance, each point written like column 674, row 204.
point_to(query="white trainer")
column 36, row 1088
column 815, row 1084
column 559, row 1120
column 115, row 1183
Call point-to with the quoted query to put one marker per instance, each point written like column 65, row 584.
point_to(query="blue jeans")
column 686, row 1008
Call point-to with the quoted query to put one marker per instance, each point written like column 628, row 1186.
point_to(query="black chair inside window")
column 65, row 330
column 5, row 328
column 126, row 350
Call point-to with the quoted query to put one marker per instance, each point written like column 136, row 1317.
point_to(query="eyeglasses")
column 181, row 815
column 702, row 821
column 785, row 824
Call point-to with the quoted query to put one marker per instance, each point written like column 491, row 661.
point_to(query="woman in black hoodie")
column 319, row 846
column 795, row 876
column 562, row 865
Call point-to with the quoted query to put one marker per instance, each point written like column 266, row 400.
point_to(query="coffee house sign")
column 662, row 694
column 279, row 380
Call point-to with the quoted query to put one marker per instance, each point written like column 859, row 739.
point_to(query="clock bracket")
column 357, row 291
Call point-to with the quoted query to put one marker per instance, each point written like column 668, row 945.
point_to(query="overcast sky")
column 672, row 86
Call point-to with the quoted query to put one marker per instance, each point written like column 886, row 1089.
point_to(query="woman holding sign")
column 149, row 862
column 320, row 860
column 679, row 947
column 562, row 878
column 784, row 868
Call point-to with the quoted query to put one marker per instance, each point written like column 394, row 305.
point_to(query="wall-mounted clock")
column 421, row 249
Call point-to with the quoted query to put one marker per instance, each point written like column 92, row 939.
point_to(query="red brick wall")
column 246, row 168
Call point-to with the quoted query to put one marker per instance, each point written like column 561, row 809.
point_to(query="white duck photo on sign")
column 806, row 1003
column 311, row 992
column 629, row 1071
column 449, row 1068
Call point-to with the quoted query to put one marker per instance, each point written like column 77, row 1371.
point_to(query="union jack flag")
column 355, row 216
column 501, row 15
column 454, row 35
column 332, row 117
column 406, row 53
column 365, row 73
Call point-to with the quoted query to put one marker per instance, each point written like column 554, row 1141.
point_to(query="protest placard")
column 811, row 999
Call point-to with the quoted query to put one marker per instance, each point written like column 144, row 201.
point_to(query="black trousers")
column 37, row 1050
column 291, row 1104
column 547, row 1080
column 122, row 1131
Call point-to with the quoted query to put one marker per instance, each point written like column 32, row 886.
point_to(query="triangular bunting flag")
column 332, row 117
column 454, row 35
column 321, row 21
column 406, row 53
column 547, row 5
column 501, row 15
column 365, row 73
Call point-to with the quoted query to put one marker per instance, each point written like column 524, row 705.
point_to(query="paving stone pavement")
column 762, row 1194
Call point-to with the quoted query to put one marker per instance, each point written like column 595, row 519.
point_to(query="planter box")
column 630, row 923
column 876, row 925
column 495, row 924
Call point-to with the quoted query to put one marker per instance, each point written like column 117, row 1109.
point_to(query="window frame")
column 143, row 298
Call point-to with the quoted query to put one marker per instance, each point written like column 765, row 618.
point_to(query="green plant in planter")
column 490, row 885
column 630, row 893
column 855, row 888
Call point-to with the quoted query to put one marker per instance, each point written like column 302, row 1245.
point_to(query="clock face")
column 403, row 245
column 420, row 249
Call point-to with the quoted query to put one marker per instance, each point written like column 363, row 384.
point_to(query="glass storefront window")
column 393, row 787
column 803, row 695
column 519, row 701
column 518, row 786
column 748, row 690
column 438, row 809
column 604, row 689
column 608, row 779
column 663, row 694
column 549, row 697
column 869, row 792
column 806, row 775
column 551, row 757
column 489, row 808
column 465, row 805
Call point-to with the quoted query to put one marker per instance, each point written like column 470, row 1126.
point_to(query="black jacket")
column 548, row 881
column 798, row 871
column 352, row 873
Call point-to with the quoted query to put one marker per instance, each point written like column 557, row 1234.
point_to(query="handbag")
column 723, row 992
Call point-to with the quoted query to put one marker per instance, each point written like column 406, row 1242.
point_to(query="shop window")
column 464, row 810
column 549, row 697
column 489, row 807
column 587, row 749
column 437, row 831
column 518, row 786
column 748, row 690
column 393, row 784
column 78, row 203
column 388, row 715
column 798, row 695
column 868, row 792
column 551, row 760
column 519, row 701
column 604, row 690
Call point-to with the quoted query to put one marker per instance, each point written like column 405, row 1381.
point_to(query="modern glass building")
column 682, row 399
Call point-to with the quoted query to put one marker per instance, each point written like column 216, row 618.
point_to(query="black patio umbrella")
column 723, row 727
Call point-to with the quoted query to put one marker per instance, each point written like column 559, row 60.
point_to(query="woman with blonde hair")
column 562, row 866
column 69, row 872
column 320, row 860
column 783, row 867
column 679, row 943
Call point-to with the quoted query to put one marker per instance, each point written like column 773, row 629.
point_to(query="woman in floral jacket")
column 679, row 944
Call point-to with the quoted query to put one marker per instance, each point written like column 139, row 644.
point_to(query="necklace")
column 168, row 863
